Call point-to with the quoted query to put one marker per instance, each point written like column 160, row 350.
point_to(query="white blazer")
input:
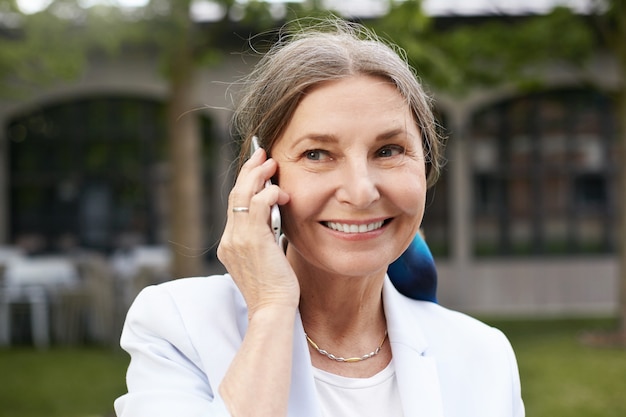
column 182, row 336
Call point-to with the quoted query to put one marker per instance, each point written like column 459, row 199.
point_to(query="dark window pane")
column 542, row 166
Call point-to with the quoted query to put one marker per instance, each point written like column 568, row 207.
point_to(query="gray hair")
column 327, row 50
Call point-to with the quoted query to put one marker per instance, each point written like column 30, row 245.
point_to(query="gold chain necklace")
column 339, row 358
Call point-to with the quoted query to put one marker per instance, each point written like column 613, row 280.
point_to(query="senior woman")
column 314, row 327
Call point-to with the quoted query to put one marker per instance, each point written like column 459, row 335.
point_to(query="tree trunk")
column 186, row 228
column 621, row 116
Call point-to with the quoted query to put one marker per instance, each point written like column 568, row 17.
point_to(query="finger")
column 247, row 226
column 262, row 202
column 252, row 178
column 240, row 209
column 250, row 201
column 256, row 159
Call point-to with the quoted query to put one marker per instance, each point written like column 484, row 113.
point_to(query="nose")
column 358, row 185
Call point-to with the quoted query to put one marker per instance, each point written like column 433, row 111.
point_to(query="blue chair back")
column 414, row 273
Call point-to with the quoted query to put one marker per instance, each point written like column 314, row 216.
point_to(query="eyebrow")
column 392, row 133
column 330, row 138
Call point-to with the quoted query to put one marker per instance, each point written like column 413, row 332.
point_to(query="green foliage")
column 29, row 54
column 501, row 50
column 308, row 10
column 611, row 24
column 55, row 43
column 52, row 44
column 256, row 14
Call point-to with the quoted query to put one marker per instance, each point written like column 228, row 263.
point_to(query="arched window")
column 544, row 174
column 88, row 172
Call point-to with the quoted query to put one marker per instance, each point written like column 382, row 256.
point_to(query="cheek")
column 412, row 199
column 295, row 215
column 303, row 203
column 410, row 192
column 309, row 196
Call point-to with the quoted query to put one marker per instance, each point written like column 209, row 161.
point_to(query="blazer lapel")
column 418, row 380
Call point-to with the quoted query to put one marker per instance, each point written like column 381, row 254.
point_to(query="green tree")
column 486, row 54
column 39, row 48
column 183, row 46
column 506, row 50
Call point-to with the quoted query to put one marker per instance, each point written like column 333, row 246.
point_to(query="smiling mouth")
column 354, row 228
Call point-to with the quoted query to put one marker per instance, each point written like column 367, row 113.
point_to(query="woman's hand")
column 248, row 249
column 269, row 285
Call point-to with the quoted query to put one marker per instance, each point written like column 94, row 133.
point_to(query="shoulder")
column 181, row 336
column 185, row 286
column 461, row 342
column 190, row 302
column 452, row 318
column 475, row 362
column 208, row 291
column 440, row 328
column 448, row 325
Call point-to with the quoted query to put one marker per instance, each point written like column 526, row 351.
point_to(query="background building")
column 521, row 222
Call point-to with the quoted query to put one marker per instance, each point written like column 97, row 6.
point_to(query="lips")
column 354, row 228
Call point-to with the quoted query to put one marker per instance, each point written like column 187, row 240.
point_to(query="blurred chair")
column 99, row 287
column 8, row 254
column 69, row 307
column 139, row 267
column 35, row 297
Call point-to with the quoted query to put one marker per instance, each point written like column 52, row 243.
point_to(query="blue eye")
column 390, row 151
column 316, row 155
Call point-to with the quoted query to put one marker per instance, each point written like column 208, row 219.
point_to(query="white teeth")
column 354, row 228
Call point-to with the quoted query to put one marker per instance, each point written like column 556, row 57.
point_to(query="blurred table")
column 34, row 281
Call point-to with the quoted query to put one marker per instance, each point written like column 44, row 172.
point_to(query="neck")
column 344, row 315
column 342, row 310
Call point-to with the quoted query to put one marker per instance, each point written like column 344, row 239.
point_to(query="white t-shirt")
column 375, row 396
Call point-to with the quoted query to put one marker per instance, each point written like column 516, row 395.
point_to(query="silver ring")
column 240, row 209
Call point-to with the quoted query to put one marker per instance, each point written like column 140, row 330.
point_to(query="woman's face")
column 351, row 159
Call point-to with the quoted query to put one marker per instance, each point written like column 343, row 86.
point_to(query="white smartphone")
column 274, row 220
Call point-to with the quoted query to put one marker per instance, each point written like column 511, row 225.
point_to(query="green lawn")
column 60, row 382
column 560, row 376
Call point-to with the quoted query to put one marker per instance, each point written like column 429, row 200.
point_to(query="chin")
column 343, row 259
column 357, row 266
